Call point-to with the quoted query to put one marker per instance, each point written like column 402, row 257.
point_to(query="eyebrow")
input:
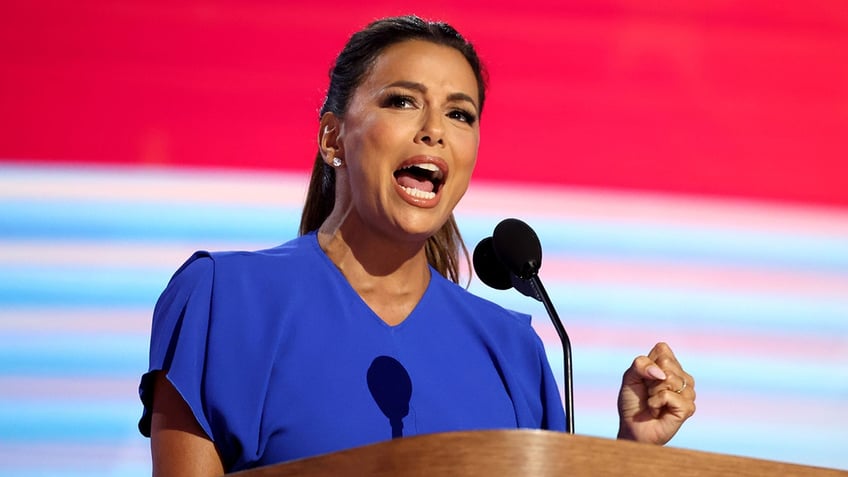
column 423, row 89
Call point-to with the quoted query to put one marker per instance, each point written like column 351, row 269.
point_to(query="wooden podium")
column 528, row 453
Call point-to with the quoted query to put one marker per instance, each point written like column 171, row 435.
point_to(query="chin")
column 421, row 230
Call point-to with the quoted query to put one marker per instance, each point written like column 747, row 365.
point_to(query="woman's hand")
column 656, row 397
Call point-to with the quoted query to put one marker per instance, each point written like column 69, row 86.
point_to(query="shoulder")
column 204, row 272
column 300, row 248
column 295, row 251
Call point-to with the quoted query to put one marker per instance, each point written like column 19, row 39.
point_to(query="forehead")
column 423, row 62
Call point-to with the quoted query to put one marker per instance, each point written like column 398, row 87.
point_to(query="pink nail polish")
column 656, row 372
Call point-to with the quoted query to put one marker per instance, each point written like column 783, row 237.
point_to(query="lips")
column 421, row 178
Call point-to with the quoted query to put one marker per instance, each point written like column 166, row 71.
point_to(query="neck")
column 389, row 275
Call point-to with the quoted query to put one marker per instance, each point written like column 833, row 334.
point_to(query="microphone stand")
column 517, row 248
column 568, row 385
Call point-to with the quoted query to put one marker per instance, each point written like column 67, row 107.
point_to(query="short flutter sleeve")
column 178, row 340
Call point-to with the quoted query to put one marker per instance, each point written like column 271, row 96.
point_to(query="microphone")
column 518, row 248
column 494, row 273
column 489, row 267
column 512, row 257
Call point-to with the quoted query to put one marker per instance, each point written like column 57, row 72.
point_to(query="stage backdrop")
column 684, row 164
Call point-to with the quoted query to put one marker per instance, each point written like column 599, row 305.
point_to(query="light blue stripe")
column 678, row 307
column 781, row 377
column 777, row 441
column 676, row 242
column 106, row 286
column 140, row 221
column 98, row 421
column 70, row 354
column 721, row 309
column 99, row 469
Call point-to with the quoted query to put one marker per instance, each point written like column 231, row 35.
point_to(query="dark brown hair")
column 352, row 65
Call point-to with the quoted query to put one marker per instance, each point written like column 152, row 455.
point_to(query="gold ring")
column 682, row 387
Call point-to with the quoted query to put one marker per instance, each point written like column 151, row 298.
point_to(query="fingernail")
column 656, row 373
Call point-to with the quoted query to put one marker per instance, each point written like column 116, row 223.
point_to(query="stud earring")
column 337, row 162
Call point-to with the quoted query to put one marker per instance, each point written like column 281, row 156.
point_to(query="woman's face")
column 409, row 140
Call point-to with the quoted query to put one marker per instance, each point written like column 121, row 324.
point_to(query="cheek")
column 467, row 152
column 466, row 157
column 383, row 132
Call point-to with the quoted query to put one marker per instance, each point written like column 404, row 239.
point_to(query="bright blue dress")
column 279, row 358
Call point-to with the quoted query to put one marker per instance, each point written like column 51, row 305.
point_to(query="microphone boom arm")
column 568, row 385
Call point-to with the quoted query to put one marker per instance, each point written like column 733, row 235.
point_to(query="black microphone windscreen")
column 518, row 247
column 489, row 268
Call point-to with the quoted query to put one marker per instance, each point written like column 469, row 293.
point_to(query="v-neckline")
column 340, row 276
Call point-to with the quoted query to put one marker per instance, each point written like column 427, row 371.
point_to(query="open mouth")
column 421, row 181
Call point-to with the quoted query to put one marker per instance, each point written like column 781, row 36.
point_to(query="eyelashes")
column 403, row 101
column 463, row 115
column 399, row 101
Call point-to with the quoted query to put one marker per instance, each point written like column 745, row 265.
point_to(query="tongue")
column 410, row 181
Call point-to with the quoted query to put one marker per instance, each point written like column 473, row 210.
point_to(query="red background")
column 744, row 99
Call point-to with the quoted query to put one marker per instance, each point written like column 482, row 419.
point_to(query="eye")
column 399, row 101
column 462, row 115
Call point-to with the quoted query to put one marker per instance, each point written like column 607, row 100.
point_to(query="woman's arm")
column 177, row 442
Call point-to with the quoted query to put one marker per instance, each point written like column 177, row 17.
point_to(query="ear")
column 328, row 135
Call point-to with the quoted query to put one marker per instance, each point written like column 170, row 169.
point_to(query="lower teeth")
column 418, row 194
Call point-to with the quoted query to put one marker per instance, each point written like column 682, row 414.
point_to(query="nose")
column 432, row 131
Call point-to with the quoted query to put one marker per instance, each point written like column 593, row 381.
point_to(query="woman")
column 357, row 331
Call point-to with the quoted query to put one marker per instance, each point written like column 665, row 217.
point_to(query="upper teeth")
column 424, row 165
